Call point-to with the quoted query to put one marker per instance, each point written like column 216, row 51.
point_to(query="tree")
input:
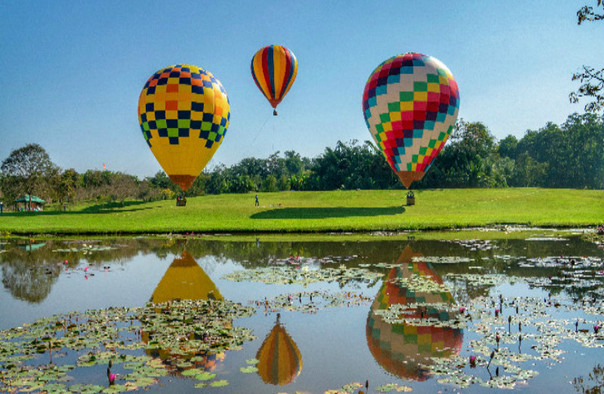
column 269, row 184
column 28, row 167
column 585, row 146
column 293, row 163
column 66, row 185
column 122, row 187
column 591, row 79
column 467, row 161
column 507, row 147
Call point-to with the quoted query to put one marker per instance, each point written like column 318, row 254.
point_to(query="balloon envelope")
column 184, row 113
column 274, row 69
column 410, row 104
column 279, row 358
column 184, row 280
column 404, row 349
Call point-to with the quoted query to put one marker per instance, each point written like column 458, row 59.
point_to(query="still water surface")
column 323, row 314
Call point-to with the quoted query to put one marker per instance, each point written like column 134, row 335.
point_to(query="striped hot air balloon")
column 279, row 358
column 402, row 349
column 274, row 69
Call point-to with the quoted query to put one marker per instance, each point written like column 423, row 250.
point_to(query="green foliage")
column 269, row 184
column 26, row 170
column 568, row 156
column 591, row 79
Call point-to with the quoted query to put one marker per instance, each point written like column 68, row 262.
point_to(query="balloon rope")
column 259, row 130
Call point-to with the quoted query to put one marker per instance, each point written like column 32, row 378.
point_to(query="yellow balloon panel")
column 185, row 280
column 184, row 114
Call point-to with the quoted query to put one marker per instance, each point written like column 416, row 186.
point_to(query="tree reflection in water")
column 25, row 276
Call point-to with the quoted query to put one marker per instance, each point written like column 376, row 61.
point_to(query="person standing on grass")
column 1, row 207
column 257, row 202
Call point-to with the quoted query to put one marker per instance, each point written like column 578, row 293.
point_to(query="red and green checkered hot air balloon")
column 410, row 104
column 402, row 349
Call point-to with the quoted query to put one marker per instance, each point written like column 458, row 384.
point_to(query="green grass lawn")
column 364, row 210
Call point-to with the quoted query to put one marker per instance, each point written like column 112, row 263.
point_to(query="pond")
column 185, row 314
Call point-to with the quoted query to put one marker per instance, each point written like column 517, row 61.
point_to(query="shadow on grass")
column 110, row 207
column 321, row 213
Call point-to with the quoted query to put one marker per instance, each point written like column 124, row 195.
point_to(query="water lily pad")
column 204, row 375
column 219, row 383
column 250, row 369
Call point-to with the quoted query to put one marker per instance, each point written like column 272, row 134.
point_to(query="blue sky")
column 72, row 71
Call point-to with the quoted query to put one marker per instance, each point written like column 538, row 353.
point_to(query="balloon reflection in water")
column 402, row 349
column 279, row 356
column 185, row 280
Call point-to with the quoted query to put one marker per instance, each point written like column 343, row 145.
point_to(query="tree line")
column 570, row 155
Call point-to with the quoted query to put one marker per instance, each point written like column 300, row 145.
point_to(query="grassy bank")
column 365, row 210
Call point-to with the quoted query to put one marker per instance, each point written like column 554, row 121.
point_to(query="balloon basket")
column 410, row 198
column 181, row 202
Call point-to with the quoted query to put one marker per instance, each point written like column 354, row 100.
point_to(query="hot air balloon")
column 405, row 349
column 279, row 359
column 184, row 280
column 184, row 113
column 274, row 69
column 410, row 104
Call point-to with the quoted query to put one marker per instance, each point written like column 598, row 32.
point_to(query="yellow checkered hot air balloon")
column 402, row 349
column 184, row 113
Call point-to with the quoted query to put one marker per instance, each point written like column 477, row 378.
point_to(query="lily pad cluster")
column 311, row 301
column 573, row 273
column 399, row 314
column 303, row 276
column 479, row 279
column 442, row 259
column 474, row 244
column 33, row 357
column 301, row 260
column 193, row 326
column 513, row 335
column 417, row 283
column 575, row 262
column 85, row 248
